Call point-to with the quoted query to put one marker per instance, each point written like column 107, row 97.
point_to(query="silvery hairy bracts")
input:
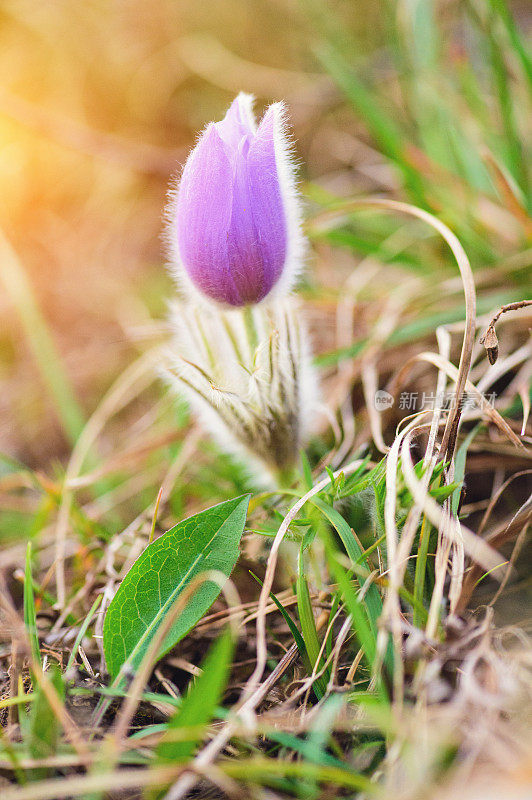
column 247, row 374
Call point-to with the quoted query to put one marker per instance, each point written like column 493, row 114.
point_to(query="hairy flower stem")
column 285, row 477
column 251, row 330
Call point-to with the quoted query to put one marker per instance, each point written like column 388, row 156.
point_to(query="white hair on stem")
column 247, row 375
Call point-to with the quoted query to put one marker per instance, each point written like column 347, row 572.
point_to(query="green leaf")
column 207, row 541
column 186, row 727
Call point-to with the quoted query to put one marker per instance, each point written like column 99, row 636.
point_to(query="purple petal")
column 237, row 123
column 268, row 208
column 203, row 213
column 232, row 224
column 248, row 258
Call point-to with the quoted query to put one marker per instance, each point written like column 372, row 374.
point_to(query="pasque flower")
column 234, row 222
column 234, row 228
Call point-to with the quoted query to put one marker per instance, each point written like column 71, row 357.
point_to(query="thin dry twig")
column 130, row 383
column 489, row 338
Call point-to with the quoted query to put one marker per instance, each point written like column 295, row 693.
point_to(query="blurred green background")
column 100, row 101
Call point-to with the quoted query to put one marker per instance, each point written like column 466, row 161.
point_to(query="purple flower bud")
column 234, row 220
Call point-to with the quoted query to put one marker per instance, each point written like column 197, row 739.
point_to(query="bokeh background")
column 422, row 101
column 99, row 103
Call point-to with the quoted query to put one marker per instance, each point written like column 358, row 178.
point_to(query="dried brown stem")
column 489, row 339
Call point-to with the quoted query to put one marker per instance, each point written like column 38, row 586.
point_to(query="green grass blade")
column 373, row 600
column 502, row 9
column 82, row 631
column 421, row 567
column 308, row 625
column 381, row 124
column 30, row 615
column 355, row 607
column 186, row 728
column 266, row 770
column 44, row 725
column 515, row 157
column 298, row 639
column 460, row 464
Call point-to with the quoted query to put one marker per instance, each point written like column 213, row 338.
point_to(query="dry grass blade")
column 327, row 217
column 84, row 785
column 130, row 383
column 475, row 547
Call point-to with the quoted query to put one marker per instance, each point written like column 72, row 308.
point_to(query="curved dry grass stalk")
column 451, row 428
column 129, row 385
